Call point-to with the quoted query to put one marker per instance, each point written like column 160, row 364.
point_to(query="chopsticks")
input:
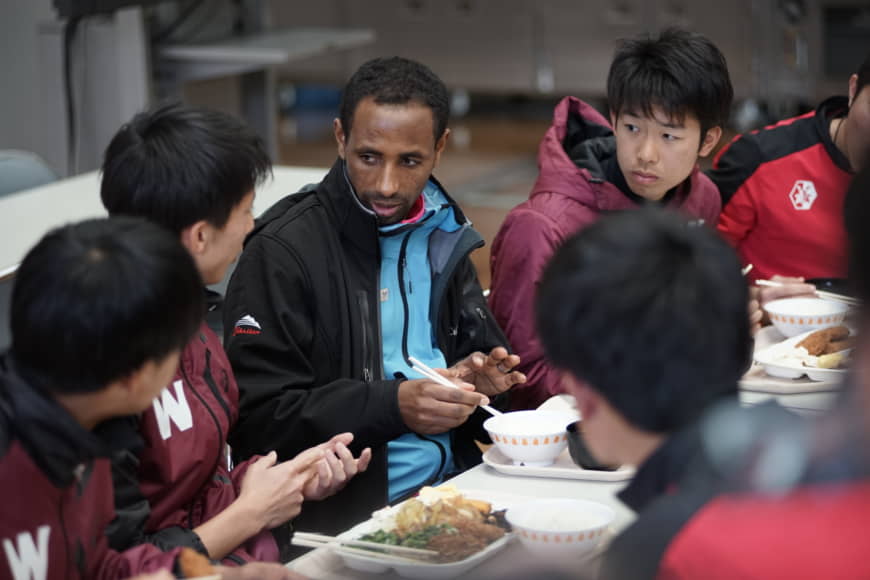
column 823, row 294
column 431, row 374
column 405, row 554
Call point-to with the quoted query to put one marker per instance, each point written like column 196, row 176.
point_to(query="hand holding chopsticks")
column 434, row 376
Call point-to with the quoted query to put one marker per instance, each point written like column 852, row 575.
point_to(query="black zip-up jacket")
column 303, row 335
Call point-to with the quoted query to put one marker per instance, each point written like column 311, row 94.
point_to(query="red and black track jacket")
column 57, row 494
column 782, row 195
column 178, row 478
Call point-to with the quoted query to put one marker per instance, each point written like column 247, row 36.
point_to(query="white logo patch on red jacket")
column 172, row 409
column 247, row 324
column 803, row 194
column 28, row 560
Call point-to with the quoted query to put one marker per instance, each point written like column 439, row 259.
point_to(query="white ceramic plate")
column 373, row 563
column 563, row 468
column 767, row 358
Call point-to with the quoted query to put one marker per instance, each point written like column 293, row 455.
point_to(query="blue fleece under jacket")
column 406, row 285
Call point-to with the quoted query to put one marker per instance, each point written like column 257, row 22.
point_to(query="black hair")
column 94, row 301
column 179, row 164
column 679, row 72
column 863, row 75
column 396, row 81
column 856, row 211
column 649, row 311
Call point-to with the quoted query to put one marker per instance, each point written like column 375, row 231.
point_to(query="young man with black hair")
column 646, row 316
column 783, row 186
column 193, row 171
column 669, row 98
column 341, row 284
column 100, row 312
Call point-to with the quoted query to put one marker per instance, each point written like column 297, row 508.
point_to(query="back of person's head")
column 94, row 301
column 396, row 81
column 863, row 75
column 177, row 165
column 650, row 312
column 856, row 211
column 678, row 72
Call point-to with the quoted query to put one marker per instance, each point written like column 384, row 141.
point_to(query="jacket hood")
column 572, row 149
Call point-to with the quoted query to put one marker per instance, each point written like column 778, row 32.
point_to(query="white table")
column 323, row 564
column 27, row 215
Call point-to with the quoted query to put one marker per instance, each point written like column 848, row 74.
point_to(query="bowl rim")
column 538, row 503
column 774, row 306
column 488, row 424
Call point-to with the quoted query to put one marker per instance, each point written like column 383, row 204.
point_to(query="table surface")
column 27, row 215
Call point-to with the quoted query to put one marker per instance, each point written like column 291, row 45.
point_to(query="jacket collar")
column 828, row 109
column 356, row 222
column 662, row 472
column 52, row 438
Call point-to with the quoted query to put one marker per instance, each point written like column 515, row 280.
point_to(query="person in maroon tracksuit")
column 669, row 98
column 100, row 311
column 193, row 171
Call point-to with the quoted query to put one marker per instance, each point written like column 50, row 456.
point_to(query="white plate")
column 365, row 563
column 563, row 468
column 766, row 357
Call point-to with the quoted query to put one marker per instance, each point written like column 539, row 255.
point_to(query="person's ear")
column 711, row 138
column 196, row 237
column 613, row 119
column 340, row 137
column 588, row 400
column 440, row 144
column 853, row 89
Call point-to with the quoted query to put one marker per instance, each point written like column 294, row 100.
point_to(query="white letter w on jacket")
column 26, row 560
column 175, row 408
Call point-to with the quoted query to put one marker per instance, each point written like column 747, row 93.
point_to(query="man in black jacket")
column 340, row 285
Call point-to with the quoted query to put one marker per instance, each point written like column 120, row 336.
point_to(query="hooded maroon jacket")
column 179, row 478
column 57, row 494
column 568, row 195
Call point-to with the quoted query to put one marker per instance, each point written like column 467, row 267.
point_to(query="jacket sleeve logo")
column 803, row 194
column 172, row 409
column 247, row 324
column 28, row 560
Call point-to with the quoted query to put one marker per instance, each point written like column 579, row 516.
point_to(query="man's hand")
column 273, row 493
column 429, row 408
column 490, row 374
column 790, row 288
column 337, row 468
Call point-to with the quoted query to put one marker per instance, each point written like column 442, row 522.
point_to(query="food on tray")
column 835, row 360
column 193, row 564
column 818, row 342
column 443, row 520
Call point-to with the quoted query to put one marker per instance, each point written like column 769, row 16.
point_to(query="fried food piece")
column 816, row 342
column 468, row 538
column 193, row 564
column 838, row 345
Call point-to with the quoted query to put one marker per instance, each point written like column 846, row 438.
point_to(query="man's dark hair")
column 856, row 210
column 396, row 81
column 650, row 312
column 92, row 302
column 679, row 72
column 178, row 164
column 863, row 75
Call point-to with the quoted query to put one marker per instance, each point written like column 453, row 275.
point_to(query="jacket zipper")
column 63, row 531
column 402, row 266
column 209, row 380
column 363, row 302
column 190, row 523
column 401, row 272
